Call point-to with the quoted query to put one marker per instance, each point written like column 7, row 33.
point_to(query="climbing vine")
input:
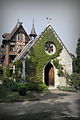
column 6, row 72
column 38, row 56
column 59, row 67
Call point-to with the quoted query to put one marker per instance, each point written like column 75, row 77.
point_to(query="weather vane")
column 49, row 20
column 18, row 20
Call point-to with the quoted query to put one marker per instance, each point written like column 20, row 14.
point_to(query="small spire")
column 33, row 21
column 49, row 20
column 33, row 32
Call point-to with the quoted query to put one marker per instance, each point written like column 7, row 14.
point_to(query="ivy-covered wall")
column 39, row 57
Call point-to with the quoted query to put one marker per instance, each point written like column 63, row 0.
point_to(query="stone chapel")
column 44, row 58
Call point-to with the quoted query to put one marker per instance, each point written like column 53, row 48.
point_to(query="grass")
column 6, row 95
column 66, row 88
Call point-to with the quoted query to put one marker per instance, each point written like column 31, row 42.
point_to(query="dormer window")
column 20, row 36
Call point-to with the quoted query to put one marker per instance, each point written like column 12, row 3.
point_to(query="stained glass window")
column 49, row 48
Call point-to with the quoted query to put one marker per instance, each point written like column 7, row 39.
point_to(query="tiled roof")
column 31, row 43
column 5, row 35
column 28, row 46
column 9, row 36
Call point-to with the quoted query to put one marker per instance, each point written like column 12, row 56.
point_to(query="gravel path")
column 65, row 102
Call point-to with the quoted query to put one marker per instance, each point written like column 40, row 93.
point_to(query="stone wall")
column 66, row 60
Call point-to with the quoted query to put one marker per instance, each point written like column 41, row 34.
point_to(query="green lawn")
column 6, row 95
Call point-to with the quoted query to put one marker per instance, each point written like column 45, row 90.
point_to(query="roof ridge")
column 13, row 31
column 61, row 41
column 31, row 43
column 23, row 50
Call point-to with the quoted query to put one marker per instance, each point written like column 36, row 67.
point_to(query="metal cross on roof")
column 49, row 20
column 17, row 20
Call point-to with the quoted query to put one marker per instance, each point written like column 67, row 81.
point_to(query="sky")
column 65, row 18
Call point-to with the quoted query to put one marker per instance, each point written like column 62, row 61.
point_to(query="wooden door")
column 51, row 76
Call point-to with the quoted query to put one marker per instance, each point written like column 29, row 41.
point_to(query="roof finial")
column 33, row 21
column 48, row 20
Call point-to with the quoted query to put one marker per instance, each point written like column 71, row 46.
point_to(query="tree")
column 73, row 62
column 6, row 72
column 74, row 80
column 77, row 61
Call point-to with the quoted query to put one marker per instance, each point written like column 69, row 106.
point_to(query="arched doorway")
column 49, row 74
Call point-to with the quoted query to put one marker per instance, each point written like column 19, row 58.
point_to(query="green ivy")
column 30, row 68
column 6, row 72
column 60, row 73
column 59, row 67
column 39, row 57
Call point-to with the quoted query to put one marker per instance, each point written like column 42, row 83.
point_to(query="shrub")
column 67, row 76
column 22, row 90
column 14, row 87
column 42, row 87
column 1, row 77
column 32, row 87
column 75, row 80
column 6, row 72
column 36, row 87
column 9, row 83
